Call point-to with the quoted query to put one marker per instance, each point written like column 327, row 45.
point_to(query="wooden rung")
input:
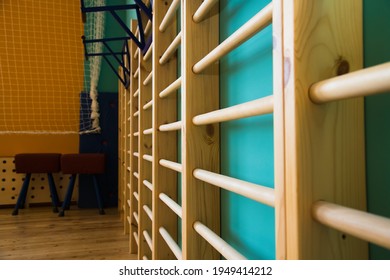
column 136, row 93
column 148, row 212
column 145, row 258
column 148, row 185
column 136, row 53
column 170, row 51
column 136, row 114
column 365, row 82
column 136, row 134
column 171, row 243
column 148, row 27
column 128, row 186
column 136, row 154
column 136, row 195
column 148, row 158
column 136, row 175
column 258, row 193
column 148, row 54
column 261, row 20
column 169, row 15
column 148, row 131
column 171, row 165
column 217, row 242
column 363, row 225
column 129, row 220
column 148, row 105
column 135, row 234
column 129, row 203
column 171, row 88
column 135, row 215
column 136, row 73
column 129, row 118
column 257, row 107
column 148, row 239
column 148, row 79
column 203, row 10
column 171, row 126
column 129, row 152
column 171, row 204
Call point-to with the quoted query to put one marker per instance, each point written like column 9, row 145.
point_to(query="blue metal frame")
column 112, row 9
column 125, row 53
column 142, row 44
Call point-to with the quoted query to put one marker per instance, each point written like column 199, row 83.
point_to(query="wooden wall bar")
column 200, row 144
column 144, row 148
column 127, row 169
column 279, row 130
column 325, row 147
column 121, row 115
column 164, row 143
column 322, row 159
column 133, row 182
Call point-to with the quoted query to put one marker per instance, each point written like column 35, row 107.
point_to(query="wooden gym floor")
column 83, row 234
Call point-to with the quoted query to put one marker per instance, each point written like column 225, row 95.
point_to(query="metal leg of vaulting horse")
column 53, row 192
column 22, row 195
column 98, row 196
column 68, row 195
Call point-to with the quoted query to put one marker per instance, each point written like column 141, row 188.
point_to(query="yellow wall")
column 41, row 75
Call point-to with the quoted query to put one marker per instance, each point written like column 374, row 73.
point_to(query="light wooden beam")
column 324, row 145
column 200, row 145
column 164, row 144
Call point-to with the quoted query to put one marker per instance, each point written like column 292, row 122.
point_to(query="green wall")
column 377, row 115
column 247, row 144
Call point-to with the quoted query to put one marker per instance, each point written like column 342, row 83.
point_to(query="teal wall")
column 247, row 144
column 130, row 14
column 377, row 115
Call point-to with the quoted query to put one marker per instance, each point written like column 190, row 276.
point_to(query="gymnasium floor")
column 39, row 234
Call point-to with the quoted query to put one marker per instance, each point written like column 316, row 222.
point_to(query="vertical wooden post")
column 144, row 148
column 325, row 144
column 279, row 136
column 127, row 167
column 120, row 148
column 200, row 144
column 164, row 143
column 133, row 106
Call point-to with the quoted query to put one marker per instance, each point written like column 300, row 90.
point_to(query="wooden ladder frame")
column 319, row 146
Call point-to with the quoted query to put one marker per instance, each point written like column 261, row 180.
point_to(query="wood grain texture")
column 279, row 130
column 325, row 144
column 164, row 143
column 144, row 167
column 200, row 144
column 83, row 234
column 127, row 174
column 133, row 106
column 121, row 142
column 367, row 226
